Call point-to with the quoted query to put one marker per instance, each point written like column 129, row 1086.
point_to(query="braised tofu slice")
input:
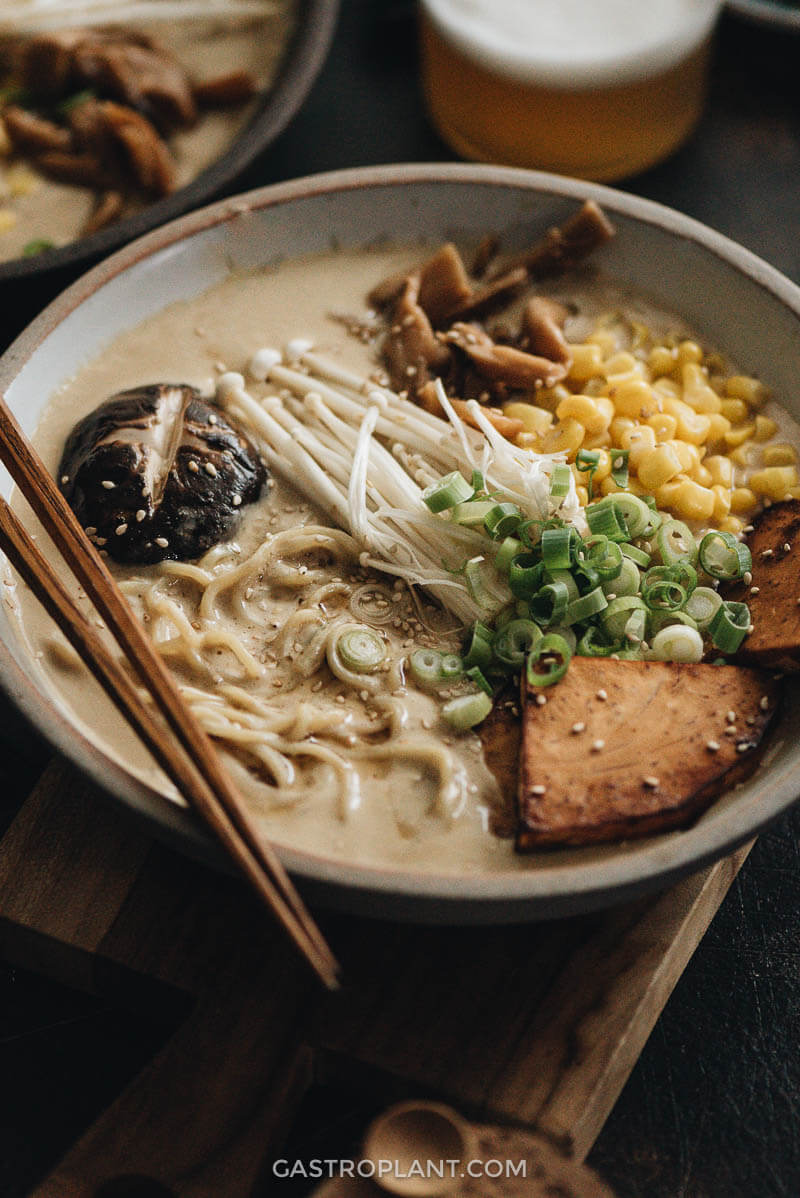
column 628, row 748
column 773, row 594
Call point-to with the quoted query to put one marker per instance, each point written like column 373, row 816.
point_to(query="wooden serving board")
column 534, row 1027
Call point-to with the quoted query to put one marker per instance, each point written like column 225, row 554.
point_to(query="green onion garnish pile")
column 639, row 586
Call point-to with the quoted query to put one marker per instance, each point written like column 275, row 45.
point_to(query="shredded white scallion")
column 357, row 450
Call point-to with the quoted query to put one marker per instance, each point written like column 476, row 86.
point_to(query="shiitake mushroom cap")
column 158, row 472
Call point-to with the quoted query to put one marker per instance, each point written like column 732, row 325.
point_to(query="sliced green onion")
column 619, row 466
column 37, row 246
column 478, row 481
column 467, row 710
column 361, row 650
column 514, row 641
column 587, row 460
column 585, row 606
column 558, row 547
column 635, row 626
column 663, row 595
column 549, row 604
column 567, row 634
column 627, row 582
column 604, row 556
column 593, row 643
column 477, row 585
column 426, row 668
column 525, row 575
column 636, row 554
column 502, row 520
column 617, row 614
column 559, row 480
column 604, row 520
column 676, row 543
column 478, row 651
column 657, row 620
column 476, row 675
column 722, row 556
column 677, row 643
column 452, row 667
column 702, row 605
column 568, row 580
column 729, row 626
column 631, row 511
column 548, row 660
column 509, row 548
column 453, row 488
column 472, row 513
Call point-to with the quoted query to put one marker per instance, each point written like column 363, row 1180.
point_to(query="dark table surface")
column 712, row 1110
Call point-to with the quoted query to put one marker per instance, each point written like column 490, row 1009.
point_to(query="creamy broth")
column 57, row 212
column 389, row 782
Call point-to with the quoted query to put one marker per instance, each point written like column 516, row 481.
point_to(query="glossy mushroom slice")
column 773, row 591
column 628, row 748
column 158, row 472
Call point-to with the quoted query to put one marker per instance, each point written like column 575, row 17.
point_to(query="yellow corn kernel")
column 598, row 441
column 700, row 475
column 587, row 361
column 780, row 454
column 687, row 499
column 657, row 467
column 752, row 391
column 740, row 434
column 8, row 218
column 692, row 426
column 633, row 397
column 551, row 397
column 662, row 360
column 721, row 470
column 605, row 339
column 718, row 426
column 731, row 524
column 689, row 352
column 696, row 391
column 622, row 363
column 722, row 503
column 765, row 428
column 565, row 437
column 687, row 454
column 609, row 487
column 735, row 410
column 743, row 500
column 584, row 409
column 638, row 440
column 619, row 426
column 663, row 425
column 666, row 389
column 774, row 481
column 534, row 419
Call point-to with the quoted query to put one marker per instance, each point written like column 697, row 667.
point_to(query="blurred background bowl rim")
column 496, row 896
column 301, row 63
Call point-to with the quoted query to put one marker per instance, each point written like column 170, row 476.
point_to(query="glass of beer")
column 598, row 89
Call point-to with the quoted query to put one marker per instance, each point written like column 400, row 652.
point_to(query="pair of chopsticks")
column 189, row 758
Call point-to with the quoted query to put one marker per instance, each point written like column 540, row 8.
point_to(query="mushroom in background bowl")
column 108, row 130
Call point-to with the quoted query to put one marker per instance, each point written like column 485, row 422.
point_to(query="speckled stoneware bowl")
column 728, row 296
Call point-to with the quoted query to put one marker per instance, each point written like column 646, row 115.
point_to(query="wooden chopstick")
column 201, row 778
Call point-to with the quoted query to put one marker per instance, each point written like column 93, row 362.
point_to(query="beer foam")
column 574, row 43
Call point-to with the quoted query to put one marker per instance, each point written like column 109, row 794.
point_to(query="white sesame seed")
column 121, row 529
column 90, row 530
column 579, row 727
column 193, row 466
column 602, row 695
column 651, row 782
column 743, row 746
column 538, row 790
column 712, row 746
column 598, row 745
column 212, row 419
column 210, row 469
column 107, row 483
column 541, row 700
column 731, row 717
column 757, row 590
column 64, row 479
column 162, row 542
column 766, row 553
column 747, row 578
column 237, row 501
column 731, row 730
column 763, row 703
column 140, row 515
column 786, row 547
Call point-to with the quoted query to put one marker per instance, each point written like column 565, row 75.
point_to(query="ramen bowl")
column 676, row 263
